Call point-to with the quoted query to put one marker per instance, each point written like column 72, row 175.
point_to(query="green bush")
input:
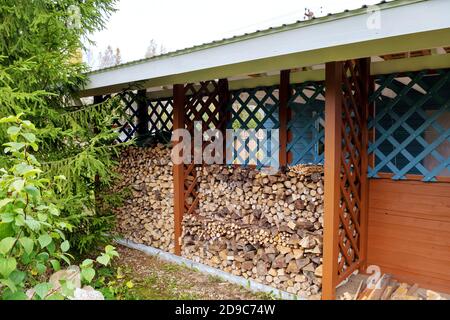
column 33, row 240
column 40, row 75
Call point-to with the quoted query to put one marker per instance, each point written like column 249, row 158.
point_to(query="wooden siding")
column 409, row 231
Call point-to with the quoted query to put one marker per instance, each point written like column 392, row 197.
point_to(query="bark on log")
column 147, row 214
column 268, row 228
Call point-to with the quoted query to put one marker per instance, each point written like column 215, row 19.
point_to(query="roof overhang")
column 405, row 26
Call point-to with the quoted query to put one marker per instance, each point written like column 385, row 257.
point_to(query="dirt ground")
column 155, row 279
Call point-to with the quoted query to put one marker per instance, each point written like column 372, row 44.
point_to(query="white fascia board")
column 397, row 21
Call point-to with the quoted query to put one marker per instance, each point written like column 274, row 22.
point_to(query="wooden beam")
column 178, row 169
column 142, row 113
column 99, row 99
column 372, row 113
column 333, row 144
column 283, row 116
column 377, row 68
column 224, row 114
column 366, row 87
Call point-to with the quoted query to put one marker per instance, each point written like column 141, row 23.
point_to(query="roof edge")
column 260, row 33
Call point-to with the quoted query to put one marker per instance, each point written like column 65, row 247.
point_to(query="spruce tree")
column 40, row 76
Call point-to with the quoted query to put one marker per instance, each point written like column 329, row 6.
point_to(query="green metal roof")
column 260, row 33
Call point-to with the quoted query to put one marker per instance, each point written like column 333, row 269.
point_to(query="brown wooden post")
column 99, row 99
column 284, row 117
column 333, row 143
column 366, row 86
column 224, row 114
column 142, row 113
column 178, row 169
column 372, row 112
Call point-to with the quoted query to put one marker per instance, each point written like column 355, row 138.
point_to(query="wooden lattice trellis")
column 253, row 110
column 346, row 162
column 306, row 124
column 354, row 122
column 203, row 104
column 411, row 125
column 127, row 125
column 160, row 114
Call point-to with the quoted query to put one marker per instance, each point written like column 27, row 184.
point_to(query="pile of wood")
column 265, row 227
column 304, row 169
column 388, row 288
column 147, row 214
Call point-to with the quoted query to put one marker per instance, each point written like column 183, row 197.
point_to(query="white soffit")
column 407, row 19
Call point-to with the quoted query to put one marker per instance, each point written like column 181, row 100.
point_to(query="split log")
column 146, row 216
column 269, row 228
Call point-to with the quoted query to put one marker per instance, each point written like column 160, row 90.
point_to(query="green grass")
column 266, row 296
column 215, row 279
column 155, row 288
column 162, row 281
column 172, row 268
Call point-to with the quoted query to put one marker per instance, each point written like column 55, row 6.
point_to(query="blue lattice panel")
column 127, row 125
column 306, row 124
column 411, row 125
column 160, row 113
column 253, row 110
column 254, row 147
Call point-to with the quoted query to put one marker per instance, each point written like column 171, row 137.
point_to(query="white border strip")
column 396, row 21
column 246, row 283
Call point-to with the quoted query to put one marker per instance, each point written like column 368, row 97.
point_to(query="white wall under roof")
column 396, row 21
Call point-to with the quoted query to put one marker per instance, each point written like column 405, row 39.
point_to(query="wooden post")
column 366, row 86
column 98, row 99
column 142, row 113
column 224, row 114
column 372, row 113
column 283, row 112
column 333, row 144
column 178, row 170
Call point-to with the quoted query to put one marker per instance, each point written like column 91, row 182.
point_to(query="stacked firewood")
column 147, row 213
column 265, row 227
column 389, row 288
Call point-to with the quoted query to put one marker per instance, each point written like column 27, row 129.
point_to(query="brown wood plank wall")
column 409, row 231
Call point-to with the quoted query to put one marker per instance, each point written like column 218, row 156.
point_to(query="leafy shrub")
column 41, row 72
column 33, row 240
